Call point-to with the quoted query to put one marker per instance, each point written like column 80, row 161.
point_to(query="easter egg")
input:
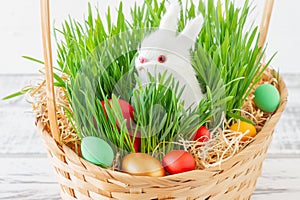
column 243, row 127
column 267, row 98
column 126, row 108
column 137, row 140
column 202, row 134
column 97, row 151
column 141, row 164
column 178, row 161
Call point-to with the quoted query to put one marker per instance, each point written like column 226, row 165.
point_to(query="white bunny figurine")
column 167, row 50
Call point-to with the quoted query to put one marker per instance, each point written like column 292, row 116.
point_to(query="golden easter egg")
column 141, row 164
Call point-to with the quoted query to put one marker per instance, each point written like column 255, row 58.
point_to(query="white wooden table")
column 26, row 174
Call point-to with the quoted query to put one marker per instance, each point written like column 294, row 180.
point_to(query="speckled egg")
column 267, row 98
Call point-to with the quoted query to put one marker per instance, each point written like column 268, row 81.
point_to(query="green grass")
column 232, row 48
column 100, row 63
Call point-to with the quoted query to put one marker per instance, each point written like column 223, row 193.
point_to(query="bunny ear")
column 170, row 19
column 192, row 30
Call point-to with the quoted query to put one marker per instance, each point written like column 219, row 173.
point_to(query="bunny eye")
column 143, row 60
column 162, row 59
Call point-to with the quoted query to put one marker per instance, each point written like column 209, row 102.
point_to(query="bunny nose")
column 143, row 60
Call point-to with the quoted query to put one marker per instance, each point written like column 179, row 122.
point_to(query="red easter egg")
column 127, row 111
column 137, row 140
column 202, row 134
column 178, row 161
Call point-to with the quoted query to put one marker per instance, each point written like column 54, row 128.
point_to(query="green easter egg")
column 267, row 98
column 97, row 151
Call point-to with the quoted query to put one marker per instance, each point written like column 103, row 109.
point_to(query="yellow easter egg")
column 243, row 127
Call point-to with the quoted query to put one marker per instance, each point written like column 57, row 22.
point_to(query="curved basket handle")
column 51, row 105
column 265, row 22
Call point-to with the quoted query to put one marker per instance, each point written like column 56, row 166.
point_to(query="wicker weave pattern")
column 79, row 179
column 235, row 179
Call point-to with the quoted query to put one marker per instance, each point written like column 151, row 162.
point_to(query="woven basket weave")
column 234, row 179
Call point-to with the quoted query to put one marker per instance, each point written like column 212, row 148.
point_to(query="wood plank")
column 280, row 179
column 33, row 178
column 17, row 119
column 19, row 132
column 27, row 178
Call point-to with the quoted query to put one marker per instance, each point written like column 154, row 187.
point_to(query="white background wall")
column 20, row 31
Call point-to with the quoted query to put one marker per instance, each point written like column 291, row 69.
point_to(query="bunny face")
column 165, row 50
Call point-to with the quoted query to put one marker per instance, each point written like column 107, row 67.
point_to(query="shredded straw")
column 39, row 105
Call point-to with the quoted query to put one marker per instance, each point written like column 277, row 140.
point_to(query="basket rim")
column 208, row 172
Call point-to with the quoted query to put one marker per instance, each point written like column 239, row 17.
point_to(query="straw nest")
column 222, row 146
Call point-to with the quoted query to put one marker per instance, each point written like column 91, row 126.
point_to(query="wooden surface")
column 26, row 174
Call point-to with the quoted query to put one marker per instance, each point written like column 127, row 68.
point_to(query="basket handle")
column 51, row 104
column 265, row 22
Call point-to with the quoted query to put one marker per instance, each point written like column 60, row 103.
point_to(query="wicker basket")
column 234, row 179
